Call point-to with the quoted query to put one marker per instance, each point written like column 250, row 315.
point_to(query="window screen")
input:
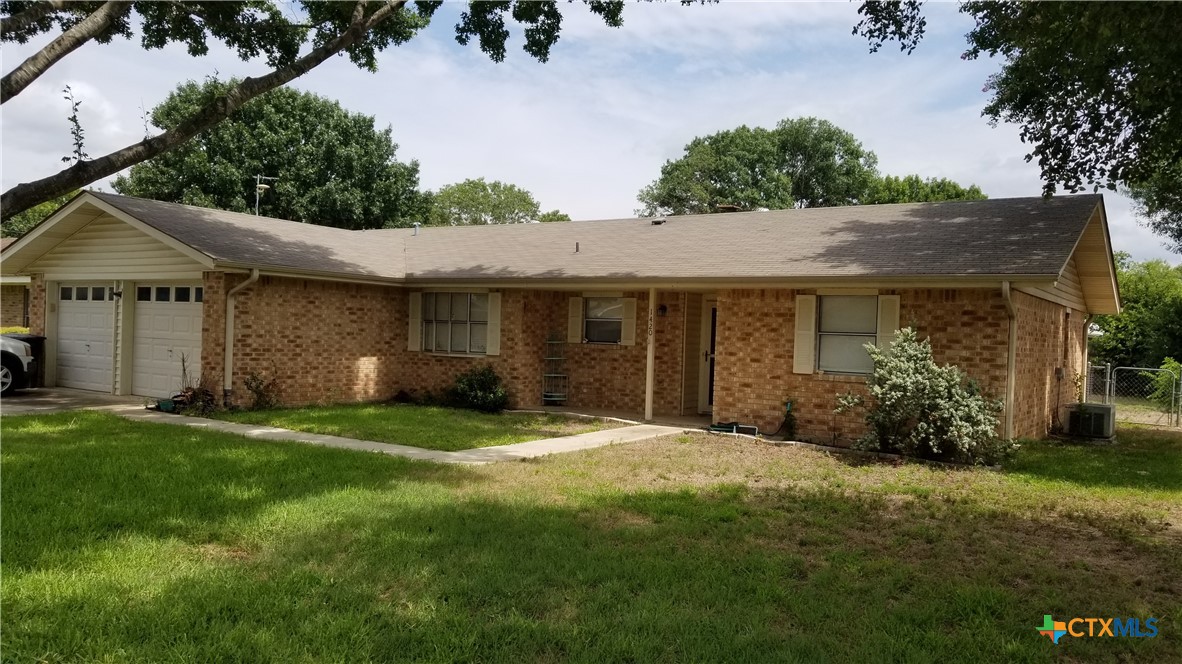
column 846, row 324
column 455, row 322
column 603, row 319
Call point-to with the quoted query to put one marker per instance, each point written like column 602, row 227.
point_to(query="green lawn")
column 430, row 427
column 136, row 542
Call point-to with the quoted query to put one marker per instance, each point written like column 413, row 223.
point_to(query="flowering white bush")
column 919, row 408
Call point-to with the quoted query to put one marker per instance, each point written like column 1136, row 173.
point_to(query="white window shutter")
column 628, row 323
column 414, row 331
column 494, row 324
column 574, row 321
column 804, row 355
column 888, row 320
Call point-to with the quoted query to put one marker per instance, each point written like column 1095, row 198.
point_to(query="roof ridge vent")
column 657, row 221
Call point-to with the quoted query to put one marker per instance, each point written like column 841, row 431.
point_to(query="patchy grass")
column 430, row 427
column 137, row 542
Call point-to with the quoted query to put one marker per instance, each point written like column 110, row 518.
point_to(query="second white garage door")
column 167, row 328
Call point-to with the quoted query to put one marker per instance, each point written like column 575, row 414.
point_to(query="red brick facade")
column 37, row 305
column 327, row 341
column 1050, row 336
column 13, row 305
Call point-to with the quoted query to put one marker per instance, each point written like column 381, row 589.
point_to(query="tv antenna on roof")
column 259, row 188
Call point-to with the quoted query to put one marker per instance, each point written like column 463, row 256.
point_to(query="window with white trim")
column 455, row 323
column 845, row 324
column 603, row 320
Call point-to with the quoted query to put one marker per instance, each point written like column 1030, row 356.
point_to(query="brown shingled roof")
column 1002, row 237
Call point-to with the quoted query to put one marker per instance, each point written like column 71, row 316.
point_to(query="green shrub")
column 264, row 392
column 479, row 389
column 14, row 330
column 1164, row 383
column 918, row 408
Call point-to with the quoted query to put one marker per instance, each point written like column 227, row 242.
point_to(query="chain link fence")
column 1144, row 395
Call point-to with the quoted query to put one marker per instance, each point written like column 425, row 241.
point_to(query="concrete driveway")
column 60, row 399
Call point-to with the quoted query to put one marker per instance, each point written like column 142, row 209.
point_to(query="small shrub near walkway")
column 430, row 427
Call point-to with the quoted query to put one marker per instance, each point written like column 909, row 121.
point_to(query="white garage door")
column 85, row 336
column 167, row 328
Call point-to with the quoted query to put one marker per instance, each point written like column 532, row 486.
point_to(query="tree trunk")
column 25, row 195
column 18, row 21
column 37, row 64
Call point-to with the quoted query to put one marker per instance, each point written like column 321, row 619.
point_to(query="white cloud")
column 587, row 130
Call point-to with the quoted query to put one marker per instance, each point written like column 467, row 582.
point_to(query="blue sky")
column 587, row 130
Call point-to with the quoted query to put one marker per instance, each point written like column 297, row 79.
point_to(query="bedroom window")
column 455, row 323
column 846, row 323
column 603, row 320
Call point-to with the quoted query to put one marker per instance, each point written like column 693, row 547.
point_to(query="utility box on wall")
column 1092, row 420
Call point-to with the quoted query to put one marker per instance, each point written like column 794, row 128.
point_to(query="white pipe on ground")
column 228, row 346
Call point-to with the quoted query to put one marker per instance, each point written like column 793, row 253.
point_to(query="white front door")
column 167, row 329
column 85, row 336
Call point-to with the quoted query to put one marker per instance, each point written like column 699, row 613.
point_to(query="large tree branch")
column 18, row 21
column 37, row 64
column 26, row 195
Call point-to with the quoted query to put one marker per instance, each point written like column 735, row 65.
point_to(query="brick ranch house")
column 727, row 314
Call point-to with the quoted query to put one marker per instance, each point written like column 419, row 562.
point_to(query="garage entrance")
column 86, row 335
column 167, row 329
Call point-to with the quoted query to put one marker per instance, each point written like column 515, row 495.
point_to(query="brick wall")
column 339, row 342
column 323, row 341
column 12, row 305
column 755, row 347
column 330, row 341
column 1048, row 338
column 613, row 377
column 213, row 326
column 37, row 305
column 518, row 364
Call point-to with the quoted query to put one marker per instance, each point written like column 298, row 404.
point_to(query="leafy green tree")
column 1149, row 329
column 737, row 167
column 914, row 189
column 553, row 215
column 293, row 39
column 481, row 202
column 804, row 162
column 1159, row 203
column 1093, row 86
column 333, row 167
column 22, row 223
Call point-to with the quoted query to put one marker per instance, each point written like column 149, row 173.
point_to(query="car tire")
column 12, row 375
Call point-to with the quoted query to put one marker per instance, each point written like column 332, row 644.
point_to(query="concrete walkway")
column 481, row 455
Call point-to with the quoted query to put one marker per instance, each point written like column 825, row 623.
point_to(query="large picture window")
column 846, row 324
column 603, row 320
column 455, row 323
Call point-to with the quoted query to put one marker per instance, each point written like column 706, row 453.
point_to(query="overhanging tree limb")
column 18, row 21
column 25, row 195
column 37, row 64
